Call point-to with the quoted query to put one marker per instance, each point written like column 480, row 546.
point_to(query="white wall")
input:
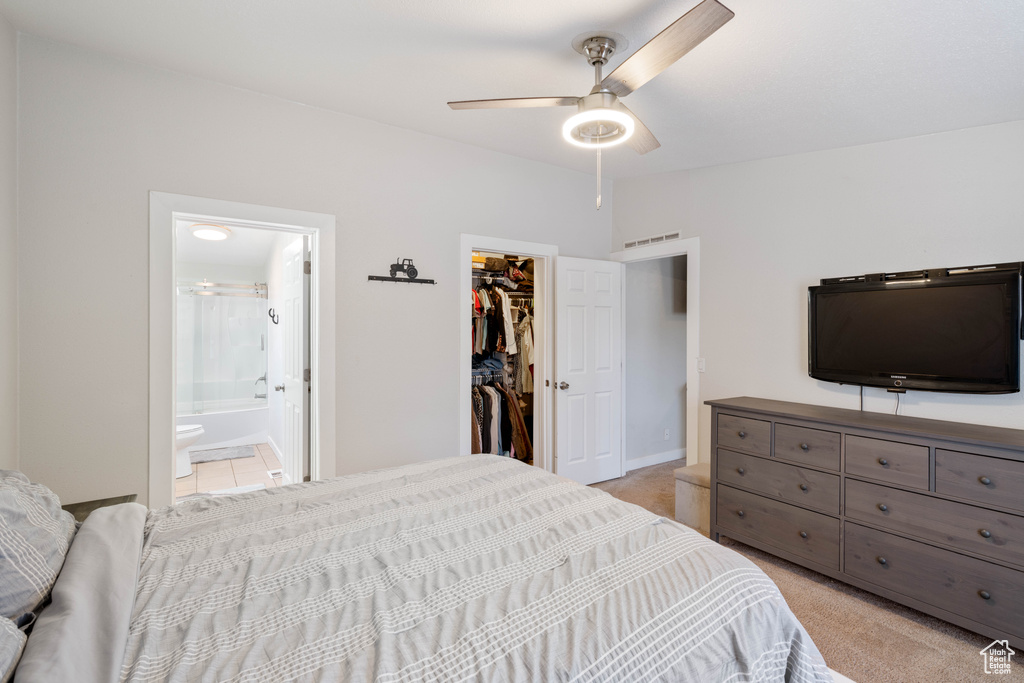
column 8, row 246
column 219, row 272
column 97, row 134
column 655, row 355
column 771, row 228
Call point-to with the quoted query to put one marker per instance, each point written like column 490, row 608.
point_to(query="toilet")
column 186, row 436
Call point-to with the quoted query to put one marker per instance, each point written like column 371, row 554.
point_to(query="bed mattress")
column 468, row 568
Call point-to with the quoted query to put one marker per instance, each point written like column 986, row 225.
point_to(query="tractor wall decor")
column 405, row 266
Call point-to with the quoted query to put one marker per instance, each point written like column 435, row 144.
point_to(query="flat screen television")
column 959, row 332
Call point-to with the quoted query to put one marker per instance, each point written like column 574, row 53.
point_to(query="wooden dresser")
column 927, row 513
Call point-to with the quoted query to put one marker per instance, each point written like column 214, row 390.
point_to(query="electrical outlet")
column 700, row 365
column 666, row 435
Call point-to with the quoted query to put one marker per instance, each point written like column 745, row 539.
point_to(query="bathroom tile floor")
column 227, row 474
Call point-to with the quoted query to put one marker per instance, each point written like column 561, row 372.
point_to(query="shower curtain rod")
column 256, row 290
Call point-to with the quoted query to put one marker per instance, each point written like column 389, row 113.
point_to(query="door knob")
column 278, row 387
column 563, row 385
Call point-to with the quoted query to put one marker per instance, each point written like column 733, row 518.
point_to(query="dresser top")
column 996, row 437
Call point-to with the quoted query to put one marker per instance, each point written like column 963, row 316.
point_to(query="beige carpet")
column 860, row 635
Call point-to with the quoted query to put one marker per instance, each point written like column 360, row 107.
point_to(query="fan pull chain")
column 598, row 178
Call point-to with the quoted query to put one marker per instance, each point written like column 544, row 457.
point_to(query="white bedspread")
column 468, row 568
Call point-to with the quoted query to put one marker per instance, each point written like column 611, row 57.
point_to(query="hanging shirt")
column 527, row 328
column 506, row 315
column 485, row 300
column 522, row 378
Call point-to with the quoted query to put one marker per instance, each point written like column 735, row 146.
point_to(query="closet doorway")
column 505, row 351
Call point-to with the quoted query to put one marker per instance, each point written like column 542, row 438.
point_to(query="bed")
column 469, row 568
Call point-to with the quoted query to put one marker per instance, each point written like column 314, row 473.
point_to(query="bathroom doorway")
column 164, row 211
column 242, row 319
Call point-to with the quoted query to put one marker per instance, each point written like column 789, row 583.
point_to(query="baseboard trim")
column 656, row 459
column 248, row 440
column 273, row 447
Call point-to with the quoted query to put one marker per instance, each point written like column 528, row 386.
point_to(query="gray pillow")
column 35, row 535
column 12, row 642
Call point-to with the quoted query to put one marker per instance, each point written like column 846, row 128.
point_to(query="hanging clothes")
column 492, row 418
column 506, row 319
column 520, row 436
column 487, row 426
column 523, row 378
column 475, row 435
column 502, row 342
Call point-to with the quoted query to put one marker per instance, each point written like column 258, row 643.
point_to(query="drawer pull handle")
column 985, row 533
column 742, row 434
column 985, row 595
column 883, row 462
column 740, row 513
column 804, row 447
column 985, row 480
column 803, row 534
column 741, row 470
column 882, row 561
column 883, row 507
column 803, row 487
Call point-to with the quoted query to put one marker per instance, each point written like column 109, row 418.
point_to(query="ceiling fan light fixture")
column 597, row 128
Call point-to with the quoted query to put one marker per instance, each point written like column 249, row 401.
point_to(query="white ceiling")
column 783, row 77
column 245, row 246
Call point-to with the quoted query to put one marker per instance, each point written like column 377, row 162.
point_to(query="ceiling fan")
column 602, row 120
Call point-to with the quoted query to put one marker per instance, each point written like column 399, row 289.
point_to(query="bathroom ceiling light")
column 209, row 231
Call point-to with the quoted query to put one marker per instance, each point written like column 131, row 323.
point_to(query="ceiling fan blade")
column 642, row 140
column 684, row 34
column 516, row 103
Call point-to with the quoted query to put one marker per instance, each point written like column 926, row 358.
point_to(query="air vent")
column 668, row 237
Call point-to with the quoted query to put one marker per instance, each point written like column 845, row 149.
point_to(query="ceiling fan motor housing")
column 598, row 123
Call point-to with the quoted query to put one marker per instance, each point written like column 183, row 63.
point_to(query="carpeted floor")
column 862, row 636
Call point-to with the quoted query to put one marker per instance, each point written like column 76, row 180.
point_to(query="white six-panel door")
column 295, row 357
column 588, row 369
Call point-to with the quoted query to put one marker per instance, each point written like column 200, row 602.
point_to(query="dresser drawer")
column 989, row 481
column 964, row 527
column 745, row 434
column 809, row 488
column 807, row 446
column 810, row 535
column 890, row 461
column 942, row 578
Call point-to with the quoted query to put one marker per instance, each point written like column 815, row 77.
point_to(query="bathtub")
column 231, row 422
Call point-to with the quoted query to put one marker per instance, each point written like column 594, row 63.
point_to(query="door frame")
column 543, row 362
column 163, row 207
column 690, row 248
